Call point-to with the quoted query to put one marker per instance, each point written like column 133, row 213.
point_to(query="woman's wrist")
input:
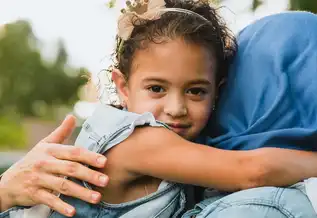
column 4, row 204
column 1, row 196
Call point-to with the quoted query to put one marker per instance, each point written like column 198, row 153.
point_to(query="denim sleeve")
column 13, row 212
column 108, row 126
column 6, row 214
column 38, row 211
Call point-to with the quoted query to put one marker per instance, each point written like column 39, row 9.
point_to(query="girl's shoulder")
column 108, row 126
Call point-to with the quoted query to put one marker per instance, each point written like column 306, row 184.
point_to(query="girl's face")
column 173, row 80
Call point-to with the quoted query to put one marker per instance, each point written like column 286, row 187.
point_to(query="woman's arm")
column 163, row 154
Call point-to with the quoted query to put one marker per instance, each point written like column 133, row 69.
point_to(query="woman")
column 15, row 193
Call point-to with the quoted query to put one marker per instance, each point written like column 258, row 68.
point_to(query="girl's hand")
column 33, row 179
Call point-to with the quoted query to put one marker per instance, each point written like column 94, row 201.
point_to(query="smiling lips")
column 179, row 128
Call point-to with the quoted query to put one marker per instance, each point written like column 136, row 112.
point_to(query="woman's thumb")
column 61, row 133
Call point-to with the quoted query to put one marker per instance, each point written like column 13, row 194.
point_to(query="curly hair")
column 213, row 35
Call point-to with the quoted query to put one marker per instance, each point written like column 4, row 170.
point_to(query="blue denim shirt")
column 270, row 96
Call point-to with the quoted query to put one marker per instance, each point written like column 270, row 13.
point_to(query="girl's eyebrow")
column 192, row 82
column 156, row 79
column 200, row 82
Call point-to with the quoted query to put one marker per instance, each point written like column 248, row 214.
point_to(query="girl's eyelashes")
column 156, row 89
column 197, row 91
column 194, row 92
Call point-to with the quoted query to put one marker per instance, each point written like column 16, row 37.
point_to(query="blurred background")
column 51, row 52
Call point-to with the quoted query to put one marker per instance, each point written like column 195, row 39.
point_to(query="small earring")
column 123, row 104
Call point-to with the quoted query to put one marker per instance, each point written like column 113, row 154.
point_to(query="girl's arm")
column 161, row 153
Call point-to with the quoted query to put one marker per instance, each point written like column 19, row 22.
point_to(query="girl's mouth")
column 179, row 128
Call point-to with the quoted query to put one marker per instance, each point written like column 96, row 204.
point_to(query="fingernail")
column 68, row 117
column 70, row 210
column 95, row 197
column 101, row 160
column 103, row 180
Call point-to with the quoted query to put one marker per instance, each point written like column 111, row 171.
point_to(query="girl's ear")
column 221, row 85
column 121, row 85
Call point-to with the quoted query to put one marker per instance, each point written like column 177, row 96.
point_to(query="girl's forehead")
column 174, row 57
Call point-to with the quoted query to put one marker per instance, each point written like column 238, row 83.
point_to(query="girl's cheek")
column 154, row 106
column 204, row 113
column 149, row 105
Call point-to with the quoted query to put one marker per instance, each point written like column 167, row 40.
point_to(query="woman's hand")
column 34, row 179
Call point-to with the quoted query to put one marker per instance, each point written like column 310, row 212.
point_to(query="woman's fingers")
column 77, row 154
column 44, row 197
column 74, row 170
column 69, row 188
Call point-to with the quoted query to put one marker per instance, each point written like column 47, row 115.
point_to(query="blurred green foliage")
column 111, row 3
column 294, row 5
column 31, row 86
column 2, row 170
column 304, row 5
column 27, row 82
column 12, row 134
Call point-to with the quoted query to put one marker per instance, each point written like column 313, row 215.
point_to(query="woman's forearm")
column 283, row 167
column 163, row 154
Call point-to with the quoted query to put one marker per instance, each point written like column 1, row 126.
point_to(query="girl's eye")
column 197, row 91
column 156, row 89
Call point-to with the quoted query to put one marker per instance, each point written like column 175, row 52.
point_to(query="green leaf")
column 303, row 5
column 111, row 4
column 256, row 4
